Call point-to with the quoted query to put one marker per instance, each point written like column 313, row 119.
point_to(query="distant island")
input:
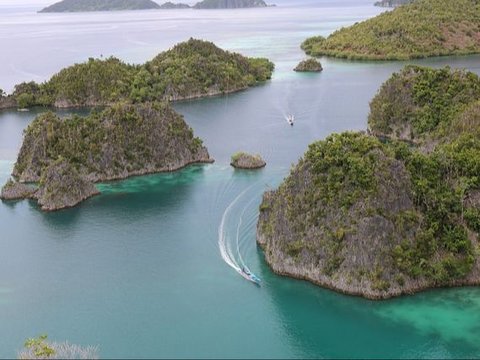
column 170, row 5
column 229, row 4
column 392, row 3
column 419, row 29
column 99, row 5
column 392, row 212
column 192, row 69
column 112, row 5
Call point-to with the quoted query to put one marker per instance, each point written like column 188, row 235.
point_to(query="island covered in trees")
column 189, row 70
column 391, row 3
column 66, row 156
column 99, row 5
column 229, row 4
column 391, row 212
column 112, row 5
column 138, row 133
column 419, row 29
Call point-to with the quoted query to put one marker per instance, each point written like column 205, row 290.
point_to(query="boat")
column 247, row 274
column 290, row 119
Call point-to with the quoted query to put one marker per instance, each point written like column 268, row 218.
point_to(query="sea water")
column 138, row 270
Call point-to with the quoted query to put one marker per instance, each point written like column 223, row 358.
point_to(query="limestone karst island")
column 239, row 179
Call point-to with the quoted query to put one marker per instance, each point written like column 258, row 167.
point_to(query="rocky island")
column 229, row 4
column 170, row 5
column 66, row 156
column 99, row 5
column 391, row 3
column 309, row 65
column 422, row 28
column 242, row 160
column 192, row 69
column 379, row 219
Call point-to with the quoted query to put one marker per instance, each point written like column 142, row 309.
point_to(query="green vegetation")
column 420, row 101
column 420, row 29
column 197, row 68
column 327, row 160
column 95, row 82
column 229, row 4
column 397, row 215
column 41, row 348
column 65, row 156
column 120, row 141
column 100, row 5
column 189, row 70
column 441, row 114
column 309, row 65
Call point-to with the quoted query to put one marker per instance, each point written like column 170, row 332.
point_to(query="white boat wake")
column 224, row 241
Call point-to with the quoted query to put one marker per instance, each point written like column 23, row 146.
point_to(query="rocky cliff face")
column 121, row 141
column 61, row 186
column 337, row 226
column 7, row 102
column 16, row 191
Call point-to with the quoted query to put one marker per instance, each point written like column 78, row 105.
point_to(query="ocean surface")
column 139, row 270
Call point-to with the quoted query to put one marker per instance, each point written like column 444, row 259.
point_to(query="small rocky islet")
column 242, row 160
column 390, row 215
column 309, row 65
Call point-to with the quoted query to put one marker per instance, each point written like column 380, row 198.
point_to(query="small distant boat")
column 290, row 119
column 247, row 274
column 23, row 110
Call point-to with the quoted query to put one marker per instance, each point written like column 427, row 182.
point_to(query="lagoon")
column 137, row 270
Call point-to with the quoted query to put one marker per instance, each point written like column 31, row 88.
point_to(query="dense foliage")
column 441, row 109
column 420, row 101
column 309, row 65
column 95, row 82
column 396, row 215
column 196, row 68
column 117, row 142
column 191, row 69
column 420, row 29
column 100, row 5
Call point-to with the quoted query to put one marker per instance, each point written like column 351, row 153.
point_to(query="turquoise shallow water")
column 137, row 270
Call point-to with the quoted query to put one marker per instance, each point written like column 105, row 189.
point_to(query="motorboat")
column 247, row 274
column 290, row 119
